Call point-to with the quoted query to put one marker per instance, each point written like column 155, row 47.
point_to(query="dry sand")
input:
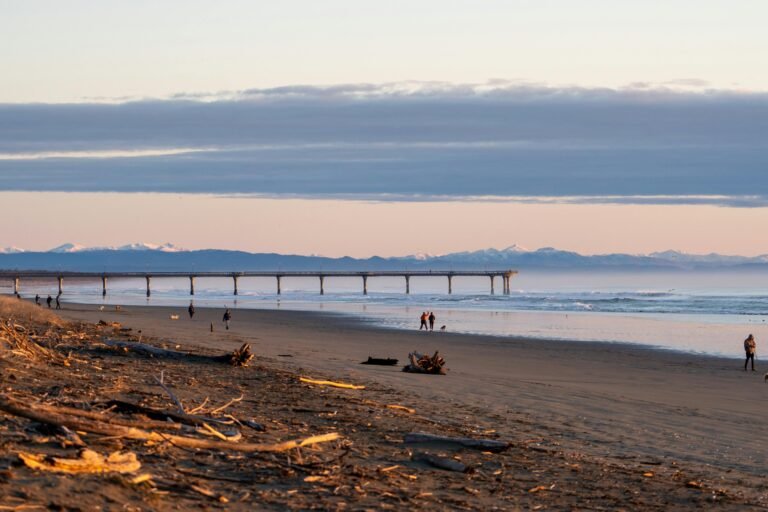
column 615, row 401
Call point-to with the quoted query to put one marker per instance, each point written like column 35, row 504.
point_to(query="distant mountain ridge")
column 167, row 257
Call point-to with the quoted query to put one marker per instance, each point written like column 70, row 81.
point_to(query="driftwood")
column 440, row 462
column 380, row 361
column 425, row 364
column 331, row 383
column 487, row 445
column 239, row 357
column 87, row 462
column 155, row 414
column 52, row 416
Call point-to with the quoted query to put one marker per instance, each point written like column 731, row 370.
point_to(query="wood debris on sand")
column 223, row 436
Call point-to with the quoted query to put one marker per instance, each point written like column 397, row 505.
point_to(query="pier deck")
column 17, row 276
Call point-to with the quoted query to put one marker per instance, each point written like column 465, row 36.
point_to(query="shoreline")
column 609, row 400
column 686, row 334
column 375, row 324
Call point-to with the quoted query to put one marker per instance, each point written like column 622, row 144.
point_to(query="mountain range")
column 167, row 257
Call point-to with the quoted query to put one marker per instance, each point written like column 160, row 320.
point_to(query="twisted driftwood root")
column 425, row 364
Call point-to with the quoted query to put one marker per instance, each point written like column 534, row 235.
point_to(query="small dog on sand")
column 174, row 317
column 442, row 329
column 118, row 308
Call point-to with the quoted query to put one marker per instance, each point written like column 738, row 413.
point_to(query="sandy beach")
column 613, row 401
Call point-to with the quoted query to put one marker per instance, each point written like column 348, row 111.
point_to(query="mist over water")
column 701, row 312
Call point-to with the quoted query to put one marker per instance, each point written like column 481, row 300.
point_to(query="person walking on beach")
column 750, row 347
column 58, row 301
column 37, row 299
column 227, row 318
column 48, row 301
column 431, row 321
column 423, row 325
column 191, row 310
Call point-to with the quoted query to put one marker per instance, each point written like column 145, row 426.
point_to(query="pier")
column 18, row 276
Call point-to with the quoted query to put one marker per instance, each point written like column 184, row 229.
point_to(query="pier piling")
column 149, row 279
column 234, row 279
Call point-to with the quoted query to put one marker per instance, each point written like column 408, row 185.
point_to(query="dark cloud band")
column 440, row 140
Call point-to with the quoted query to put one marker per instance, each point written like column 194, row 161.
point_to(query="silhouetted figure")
column 191, row 310
column 423, row 324
column 37, row 299
column 48, row 301
column 431, row 321
column 227, row 318
column 750, row 347
column 58, row 301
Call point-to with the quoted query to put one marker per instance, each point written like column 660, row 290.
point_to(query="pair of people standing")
column 427, row 317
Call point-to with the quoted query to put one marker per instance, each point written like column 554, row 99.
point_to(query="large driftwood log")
column 239, row 357
column 380, row 361
column 487, row 445
column 53, row 416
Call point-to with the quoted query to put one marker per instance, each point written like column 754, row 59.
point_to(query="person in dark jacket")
column 750, row 347
column 227, row 318
column 48, row 301
column 191, row 310
column 431, row 321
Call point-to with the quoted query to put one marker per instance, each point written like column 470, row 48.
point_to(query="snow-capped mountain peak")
column 141, row 246
column 11, row 250
column 515, row 248
column 68, row 247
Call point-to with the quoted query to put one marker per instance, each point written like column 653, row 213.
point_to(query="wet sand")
column 617, row 401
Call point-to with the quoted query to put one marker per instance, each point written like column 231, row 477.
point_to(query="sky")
column 608, row 126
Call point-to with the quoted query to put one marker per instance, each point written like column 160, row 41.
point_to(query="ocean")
column 695, row 312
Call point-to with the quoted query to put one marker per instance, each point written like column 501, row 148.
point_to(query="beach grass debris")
column 331, row 383
column 88, row 462
column 51, row 415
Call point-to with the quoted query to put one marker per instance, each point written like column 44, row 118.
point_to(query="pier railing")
column 17, row 276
